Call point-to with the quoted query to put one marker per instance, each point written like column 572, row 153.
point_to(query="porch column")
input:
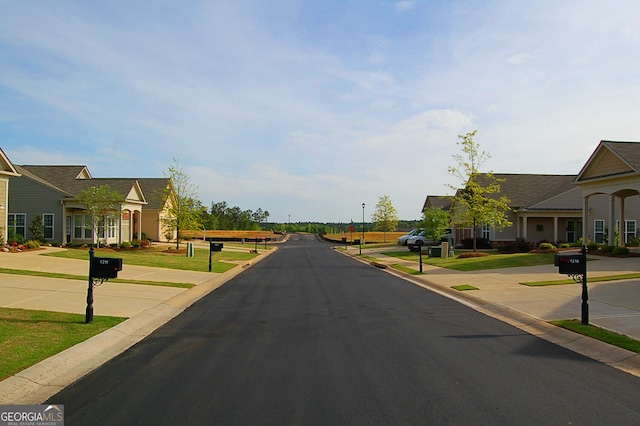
column 622, row 232
column 612, row 220
column 555, row 229
column 585, row 219
column 524, row 227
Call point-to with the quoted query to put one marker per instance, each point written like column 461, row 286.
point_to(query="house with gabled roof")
column 565, row 208
column 52, row 191
column 609, row 183
column 7, row 170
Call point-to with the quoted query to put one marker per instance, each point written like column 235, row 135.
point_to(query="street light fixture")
column 362, row 239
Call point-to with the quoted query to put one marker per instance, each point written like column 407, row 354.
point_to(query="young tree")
column 385, row 216
column 184, row 208
column 37, row 229
column 479, row 201
column 102, row 203
column 435, row 221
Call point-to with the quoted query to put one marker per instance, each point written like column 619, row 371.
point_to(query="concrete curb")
column 613, row 356
column 39, row 382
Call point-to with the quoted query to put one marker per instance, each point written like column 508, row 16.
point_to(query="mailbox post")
column 213, row 247
column 100, row 270
column 575, row 265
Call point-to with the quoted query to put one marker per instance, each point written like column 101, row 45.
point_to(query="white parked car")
column 420, row 239
column 403, row 240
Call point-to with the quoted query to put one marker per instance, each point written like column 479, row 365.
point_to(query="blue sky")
column 310, row 108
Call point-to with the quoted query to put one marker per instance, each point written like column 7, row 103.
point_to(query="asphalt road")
column 311, row 337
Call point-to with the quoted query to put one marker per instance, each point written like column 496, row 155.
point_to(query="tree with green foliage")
column 102, row 203
column 435, row 221
column 385, row 216
column 37, row 229
column 181, row 197
column 478, row 202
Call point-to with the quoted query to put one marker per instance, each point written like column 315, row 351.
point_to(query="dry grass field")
column 369, row 237
column 229, row 234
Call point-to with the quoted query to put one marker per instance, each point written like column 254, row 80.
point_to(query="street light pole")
column 362, row 239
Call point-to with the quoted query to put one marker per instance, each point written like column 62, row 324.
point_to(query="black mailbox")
column 570, row 264
column 106, row 267
column 215, row 246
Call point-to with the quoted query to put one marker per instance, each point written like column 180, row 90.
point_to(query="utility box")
column 571, row 264
column 106, row 267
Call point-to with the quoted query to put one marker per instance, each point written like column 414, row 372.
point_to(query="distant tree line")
column 223, row 216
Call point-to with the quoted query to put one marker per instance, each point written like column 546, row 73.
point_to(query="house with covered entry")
column 564, row 208
column 52, row 193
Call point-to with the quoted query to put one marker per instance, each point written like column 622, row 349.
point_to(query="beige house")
column 564, row 208
column 7, row 170
column 609, row 185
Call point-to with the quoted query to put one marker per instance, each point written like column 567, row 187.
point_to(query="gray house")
column 52, row 191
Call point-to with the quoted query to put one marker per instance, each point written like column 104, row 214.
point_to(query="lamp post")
column 362, row 239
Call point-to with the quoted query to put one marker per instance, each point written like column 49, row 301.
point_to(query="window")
column 82, row 226
column 47, row 222
column 16, row 222
column 111, row 227
column 629, row 230
column 598, row 231
column 486, row 232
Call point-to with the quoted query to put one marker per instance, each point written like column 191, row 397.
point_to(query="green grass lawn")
column 28, row 337
column 616, row 339
column 157, row 258
column 494, row 261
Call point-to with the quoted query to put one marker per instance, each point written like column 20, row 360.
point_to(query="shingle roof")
column 525, row 190
column 71, row 180
column 438, row 201
column 153, row 189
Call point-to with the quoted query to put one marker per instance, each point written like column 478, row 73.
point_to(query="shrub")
column 620, row 250
column 593, row 246
column 125, row 245
column 481, row 243
column 633, row 242
column 32, row 244
column 55, row 244
column 113, row 245
column 606, row 249
column 520, row 245
column 546, row 246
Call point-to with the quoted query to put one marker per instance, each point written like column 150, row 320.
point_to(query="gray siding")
column 33, row 199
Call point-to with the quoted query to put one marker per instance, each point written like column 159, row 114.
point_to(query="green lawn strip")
column 616, row 339
column 28, row 337
column 589, row 279
column 406, row 269
column 158, row 259
column 494, row 261
column 85, row 278
column 464, row 287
